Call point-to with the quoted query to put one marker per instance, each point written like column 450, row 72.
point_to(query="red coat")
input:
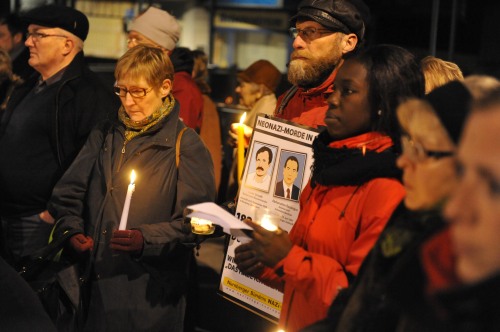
column 308, row 107
column 189, row 96
column 327, row 244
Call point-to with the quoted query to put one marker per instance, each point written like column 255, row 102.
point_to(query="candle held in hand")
column 241, row 146
column 128, row 198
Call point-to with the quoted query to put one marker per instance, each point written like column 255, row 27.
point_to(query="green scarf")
column 136, row 128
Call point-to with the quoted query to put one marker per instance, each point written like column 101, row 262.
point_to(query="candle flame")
column 364, row 150
column 268, row 224
column 243, row 117
column 132, row 177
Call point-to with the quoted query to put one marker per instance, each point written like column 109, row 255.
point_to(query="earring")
column 379, row 112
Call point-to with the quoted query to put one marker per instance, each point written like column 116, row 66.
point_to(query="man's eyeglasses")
column 416, row 152
column 39, row 35
column 134, row 93
column 308, row 34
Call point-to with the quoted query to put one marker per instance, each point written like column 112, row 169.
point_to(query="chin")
column 136, row 117
column 411, row 204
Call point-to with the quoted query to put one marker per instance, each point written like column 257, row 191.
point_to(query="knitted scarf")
column 136, row 128
column 353, row 161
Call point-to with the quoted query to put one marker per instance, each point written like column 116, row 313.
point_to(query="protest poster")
column 277, row 166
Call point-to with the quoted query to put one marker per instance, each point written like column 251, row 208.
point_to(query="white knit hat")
column 159, row 26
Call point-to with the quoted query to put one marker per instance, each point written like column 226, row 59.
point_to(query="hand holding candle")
column 128, row 198
column 241, row 146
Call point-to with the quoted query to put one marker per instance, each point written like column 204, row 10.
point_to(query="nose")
column 128, row 100
column 333, row 99
column 403, row 161
column 460, row 206
column 298, row 43
column 29, row 41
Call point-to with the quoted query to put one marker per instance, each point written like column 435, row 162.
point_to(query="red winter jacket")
column 189, row 96
column 336, row 228
column 307, row 107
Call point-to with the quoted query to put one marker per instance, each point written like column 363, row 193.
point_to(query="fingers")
column 121, row 241
column 88, row 245
column 121, row 247
column 243, row 247
column 81, row 243
column 46, row 217
column 127, row 240
column 247, row 261
column 122, row 234
column 121, row 238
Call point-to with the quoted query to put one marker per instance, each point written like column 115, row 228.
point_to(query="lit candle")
column 202, row 226
column 241, row 146
column 269, row 222
column 126, row 207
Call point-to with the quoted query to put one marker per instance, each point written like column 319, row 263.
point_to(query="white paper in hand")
column 217, row 215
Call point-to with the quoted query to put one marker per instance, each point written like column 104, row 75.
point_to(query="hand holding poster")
column 277, row 167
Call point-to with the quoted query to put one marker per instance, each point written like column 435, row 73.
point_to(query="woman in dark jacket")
column 140, row 273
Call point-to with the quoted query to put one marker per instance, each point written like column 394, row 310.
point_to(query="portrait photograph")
column 261, row 165
column 289, row 175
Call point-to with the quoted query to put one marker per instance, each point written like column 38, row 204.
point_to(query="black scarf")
column 350, row 167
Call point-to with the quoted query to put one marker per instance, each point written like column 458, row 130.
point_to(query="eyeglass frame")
column 40, row 35
column 295, row 32
column 421, row 153
column 118, row 89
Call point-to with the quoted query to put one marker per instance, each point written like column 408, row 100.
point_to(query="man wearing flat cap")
column 324, row 32
column 158, row 28
column 46, row 122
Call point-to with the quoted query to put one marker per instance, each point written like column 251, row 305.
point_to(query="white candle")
column 126, row 207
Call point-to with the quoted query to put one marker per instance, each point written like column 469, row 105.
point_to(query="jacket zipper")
column 122, row 156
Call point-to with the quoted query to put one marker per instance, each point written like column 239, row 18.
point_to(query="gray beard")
column 309, row 76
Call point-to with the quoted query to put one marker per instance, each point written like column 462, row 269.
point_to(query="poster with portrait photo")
column 285, row 139
column 260, row 165
column 289, row 175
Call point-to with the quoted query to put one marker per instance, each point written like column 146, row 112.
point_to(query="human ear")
column 18, row 37
column 68, row 47
column 166, row 87
column 349, row 43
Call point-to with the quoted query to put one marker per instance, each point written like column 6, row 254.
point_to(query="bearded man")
column 325, row 31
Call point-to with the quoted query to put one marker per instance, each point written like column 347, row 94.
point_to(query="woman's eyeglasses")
column 134, row 92
column 308, row 34
column 416, row 152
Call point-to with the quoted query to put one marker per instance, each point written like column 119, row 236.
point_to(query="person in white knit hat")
column 156, row 27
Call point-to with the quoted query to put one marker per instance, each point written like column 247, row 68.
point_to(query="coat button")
column 104, row 232
column 166, row 139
